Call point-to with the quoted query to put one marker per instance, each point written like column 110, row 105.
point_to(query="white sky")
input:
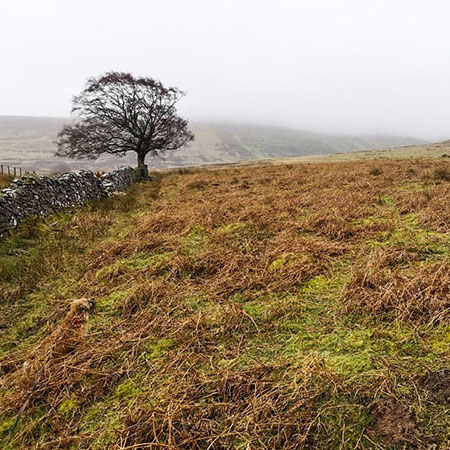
column 361, row 66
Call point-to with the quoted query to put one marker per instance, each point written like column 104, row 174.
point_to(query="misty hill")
column 29, row 142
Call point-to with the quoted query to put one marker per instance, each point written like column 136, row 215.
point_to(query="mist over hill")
column 28, row 142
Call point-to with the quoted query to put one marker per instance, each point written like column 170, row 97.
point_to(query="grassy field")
column 271, row 307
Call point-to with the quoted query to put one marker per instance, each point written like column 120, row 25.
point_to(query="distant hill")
column 29, row 142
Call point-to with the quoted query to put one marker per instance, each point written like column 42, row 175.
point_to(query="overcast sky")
column 365, row 66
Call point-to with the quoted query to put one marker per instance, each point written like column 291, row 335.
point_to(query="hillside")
column 29, row 142
column 271, row 307
column 433, row 150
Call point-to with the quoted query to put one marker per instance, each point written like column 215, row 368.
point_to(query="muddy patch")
column 438, row 385
column 394, row 423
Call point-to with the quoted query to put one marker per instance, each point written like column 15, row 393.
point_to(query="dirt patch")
column 438, row 385
column 395, row 423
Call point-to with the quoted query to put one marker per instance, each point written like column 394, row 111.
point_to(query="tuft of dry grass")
column 421, row 294
column 5, row 180
column 257, row 404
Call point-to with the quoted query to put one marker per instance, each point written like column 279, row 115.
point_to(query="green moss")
column 349, row 364
column 6, row 426
column 371, row 220
column 90, row 420
column 197, row 302
column 158, row 349
column 126, row 390
column 262, row 348
column 256, row 308
column 343, row 425
column 148, row 261
column 112, row 272
column 110, row 302
column 195, row 239
column 347, row 344
column 322, row 287
column 277, row 263
column 439, row 341
column 143, row 262
column 345, row 350
column 67, row 408
column 388, row 201
column 102, row 423
column 231, row 228
column 103, row 420
column 410, row 236
column 240, row 443
column 240, row 297
column 272, row 308
column 196, row 231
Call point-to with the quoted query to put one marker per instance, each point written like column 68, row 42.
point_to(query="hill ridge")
column 29, row 142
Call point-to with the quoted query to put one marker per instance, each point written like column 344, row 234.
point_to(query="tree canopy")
column 117, row 113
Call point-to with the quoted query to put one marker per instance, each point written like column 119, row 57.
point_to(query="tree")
column 118, row 113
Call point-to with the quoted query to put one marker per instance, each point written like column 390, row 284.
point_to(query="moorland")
column 299, row 305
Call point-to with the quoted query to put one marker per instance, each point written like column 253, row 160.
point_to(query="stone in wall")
column 118, row 180
column 39, row 195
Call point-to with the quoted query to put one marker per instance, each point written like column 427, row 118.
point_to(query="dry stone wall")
column 39, row 195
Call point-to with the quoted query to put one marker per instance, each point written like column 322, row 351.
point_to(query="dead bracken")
column 268, row 307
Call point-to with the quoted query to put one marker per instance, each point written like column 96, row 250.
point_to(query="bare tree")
column 117, row 113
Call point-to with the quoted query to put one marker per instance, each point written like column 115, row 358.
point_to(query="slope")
column 272, row 307
column 29, row 142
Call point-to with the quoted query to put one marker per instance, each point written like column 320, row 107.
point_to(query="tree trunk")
column 142, row 169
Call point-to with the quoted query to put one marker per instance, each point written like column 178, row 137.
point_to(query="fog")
column 346, row 66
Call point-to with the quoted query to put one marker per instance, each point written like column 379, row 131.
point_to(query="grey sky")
column 331, row 65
